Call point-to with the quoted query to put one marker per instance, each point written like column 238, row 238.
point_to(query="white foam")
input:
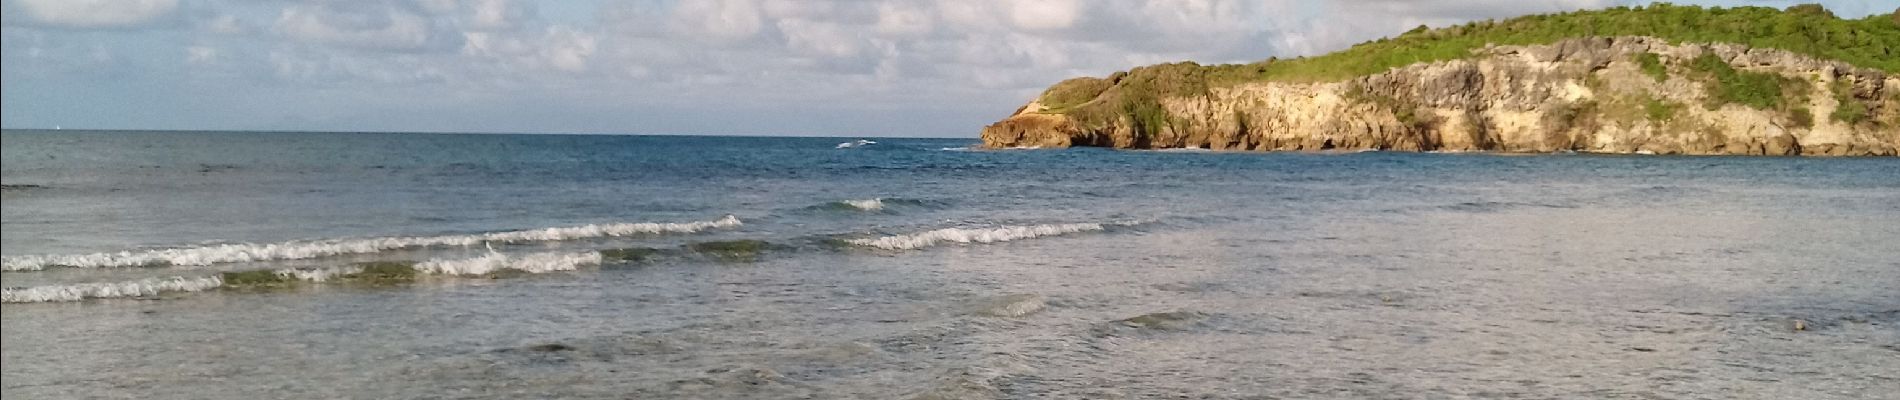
column 297, row 250
column 318, row 274
column 973, row 235
column 534, row 263
column 866, row 205
column 111, row 290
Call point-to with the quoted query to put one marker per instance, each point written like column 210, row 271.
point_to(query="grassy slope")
column 1872, row 42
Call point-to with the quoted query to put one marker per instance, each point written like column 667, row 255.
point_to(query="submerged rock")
column 1012, row 306
column 740, row 381
column 631, row 254
column 740, row 251
column 1175, row 320
column 259, row 279
column 384, row 272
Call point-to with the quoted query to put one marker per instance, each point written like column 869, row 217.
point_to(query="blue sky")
column 754, row 67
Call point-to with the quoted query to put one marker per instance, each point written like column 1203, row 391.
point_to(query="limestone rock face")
column 1586, row 95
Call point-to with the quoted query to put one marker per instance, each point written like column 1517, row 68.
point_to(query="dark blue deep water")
column 922, row 267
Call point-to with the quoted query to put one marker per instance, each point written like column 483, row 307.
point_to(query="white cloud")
column 567, row 50
column 384, row 28
column 98, row 13
column 820, row 39
column 226, row 24
column 1044, row 14
column 904, row 20
column 719, row 20
column 495, row 14
column 200, row 54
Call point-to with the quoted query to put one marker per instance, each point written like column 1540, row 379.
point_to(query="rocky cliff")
column 1593, row 94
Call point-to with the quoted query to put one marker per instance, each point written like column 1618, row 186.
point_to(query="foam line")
column 974, row 235
column 298, row 250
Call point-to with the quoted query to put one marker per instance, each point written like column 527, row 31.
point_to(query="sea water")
column 564, row 266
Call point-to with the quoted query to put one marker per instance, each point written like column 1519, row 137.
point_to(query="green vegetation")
column 256, row 279
column 1660, row 110
column 384, row 272
column 1760, row 90
column 1802, row 117
column 1653, row 66
column 731, row 250
column 1850, row 111
column 1870, row 42
column 1073, row 92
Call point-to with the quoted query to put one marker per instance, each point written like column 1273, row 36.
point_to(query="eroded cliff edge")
column 1593, row 94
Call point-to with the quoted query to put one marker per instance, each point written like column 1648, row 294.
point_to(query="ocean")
column 233, row 265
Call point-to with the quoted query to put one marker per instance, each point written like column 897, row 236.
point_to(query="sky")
column 935, row 68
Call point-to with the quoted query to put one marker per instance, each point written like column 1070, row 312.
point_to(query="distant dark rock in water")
column 1175, row 320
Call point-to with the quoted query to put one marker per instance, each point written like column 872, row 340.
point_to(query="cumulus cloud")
column 385, row 28
column 1044, row 14
column 200, row 54
column 718, row 20
column 97, row 13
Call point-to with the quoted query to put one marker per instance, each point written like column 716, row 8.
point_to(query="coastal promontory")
column 1660, row 79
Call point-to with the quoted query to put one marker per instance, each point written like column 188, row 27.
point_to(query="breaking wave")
column 297, row 250
column 866, row 205
column 493, row 262
column 977, row 235
column 878, row 204
column 532, row 263
column 111, row 290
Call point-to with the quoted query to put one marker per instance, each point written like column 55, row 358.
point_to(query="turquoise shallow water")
column 917, row 267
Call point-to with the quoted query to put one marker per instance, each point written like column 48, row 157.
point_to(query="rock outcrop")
column 1606, row 95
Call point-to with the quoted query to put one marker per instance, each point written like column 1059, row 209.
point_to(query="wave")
column 866, row 205
column 319, row 274
column 495, row 262
column 1183, row 150
column 873, row 205
column 177, row 284
column 921, row 240
column 112, row 290
column 297, row 250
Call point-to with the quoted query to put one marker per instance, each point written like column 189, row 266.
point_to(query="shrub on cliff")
column 1728, row 85
column 1072, row 92
column 1804, row 29
column 1872, row 42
